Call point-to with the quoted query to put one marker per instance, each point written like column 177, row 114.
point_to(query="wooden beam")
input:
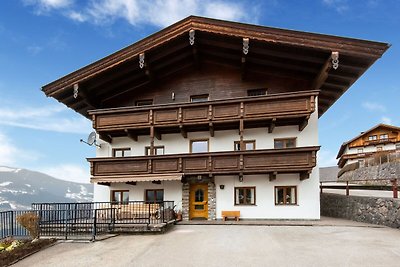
column 156, row 182
column 243, row 68
column 323, row 74
column 131, row 135
column 157, row 134
column 183, row 131
column 151, row 140
column 106, row 184
column 304, row 123
column 272, row 125
column 272, row 176
column 131, row 183
column 105, row 137
column 211, row 128
column 304, row 175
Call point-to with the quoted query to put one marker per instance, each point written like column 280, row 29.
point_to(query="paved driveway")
column 343, row 244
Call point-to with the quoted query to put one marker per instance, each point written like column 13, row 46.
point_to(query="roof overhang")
column 279, row 52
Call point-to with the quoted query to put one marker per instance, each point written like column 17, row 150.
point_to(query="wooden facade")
column 380, row 136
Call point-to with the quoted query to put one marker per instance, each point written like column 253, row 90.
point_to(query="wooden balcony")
column 293, row 108
column 269, row 161
column 380, row 141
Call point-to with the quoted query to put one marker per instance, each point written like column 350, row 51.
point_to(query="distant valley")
column 20, row 187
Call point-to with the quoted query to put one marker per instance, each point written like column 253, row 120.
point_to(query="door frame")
column 191, row 192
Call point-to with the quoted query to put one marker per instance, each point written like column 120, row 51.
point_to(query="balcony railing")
column 272, row 161
column 279, row 109
column 380, row 141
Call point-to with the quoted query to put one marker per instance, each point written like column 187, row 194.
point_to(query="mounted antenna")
column 91, row 140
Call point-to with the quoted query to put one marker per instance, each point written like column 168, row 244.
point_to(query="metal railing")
column 88, row 219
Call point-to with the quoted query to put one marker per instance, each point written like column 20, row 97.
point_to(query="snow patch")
column 8, row 169
column 28, row 185
column 5, row 183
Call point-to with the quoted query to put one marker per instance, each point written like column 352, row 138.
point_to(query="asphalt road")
column 335, row 243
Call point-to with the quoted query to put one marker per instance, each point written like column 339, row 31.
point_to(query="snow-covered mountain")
column 20, row 187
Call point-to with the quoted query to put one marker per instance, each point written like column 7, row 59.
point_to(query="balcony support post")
column 304, row 175
column 131, row 135
column 151, row 140
column 304, row 123
column 183, row 131
column 241, row 130
column 105, row 137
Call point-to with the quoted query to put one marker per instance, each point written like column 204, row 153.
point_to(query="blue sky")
column 42, row 40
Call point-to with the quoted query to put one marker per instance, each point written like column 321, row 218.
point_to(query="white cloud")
column 43, row 6
column 10, row 154
column 387, row 120
column 157, row 12
column 373, row 106
column 49, row 118
column 68, row 172
column 34, row 49
column 340, row 6
column 326, row 158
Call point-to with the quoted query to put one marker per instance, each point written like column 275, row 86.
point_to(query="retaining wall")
column 382, row 211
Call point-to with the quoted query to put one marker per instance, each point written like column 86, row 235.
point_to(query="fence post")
column 395, row 189
column 347, row 188
column 12, row 223
column 94, row 225
column 320, row 187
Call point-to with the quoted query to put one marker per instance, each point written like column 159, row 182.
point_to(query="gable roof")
column 381, row 125
column 272, row 51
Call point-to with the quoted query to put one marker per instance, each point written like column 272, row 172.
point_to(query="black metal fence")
column 89, row 219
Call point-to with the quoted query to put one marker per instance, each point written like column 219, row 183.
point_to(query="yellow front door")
column 198, row 207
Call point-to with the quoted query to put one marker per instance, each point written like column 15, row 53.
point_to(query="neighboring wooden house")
column 381, row 138
column 215, row 115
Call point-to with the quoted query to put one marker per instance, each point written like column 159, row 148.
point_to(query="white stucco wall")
column 307, row 197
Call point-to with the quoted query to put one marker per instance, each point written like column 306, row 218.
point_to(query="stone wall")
column 382, row 211
column 389, row 170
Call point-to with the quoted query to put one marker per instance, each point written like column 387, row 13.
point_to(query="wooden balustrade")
column 292, row 108
column 302, row 160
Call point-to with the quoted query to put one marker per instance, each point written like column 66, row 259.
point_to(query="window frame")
column 121, row 200
column 244, row 143
column 199, row 97
column 122, row 149
column 386, row 136
column 285, row 188
column 244, row 188
column 144, row 102
column 372, row 137
column 147, row 150
column 155, row 194
column 285, row 144
column 257, row 92
column 199, row 140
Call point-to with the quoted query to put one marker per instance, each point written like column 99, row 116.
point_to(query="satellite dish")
column 91, row 140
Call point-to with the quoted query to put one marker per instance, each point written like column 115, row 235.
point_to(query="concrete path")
column 334, row 243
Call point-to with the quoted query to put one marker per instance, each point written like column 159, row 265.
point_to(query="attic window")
column 372, row 138
column 199, row 98
column 144, row 102
column 384, row 136
column 257, row 92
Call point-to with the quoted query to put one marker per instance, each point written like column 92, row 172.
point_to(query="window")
column 154, row 195
column 144, row 102
column 121, row 152
column 198, row 146
column 361, row 163
column 199, row 98
column 285, row 195
column 247, row 145
column 158, row 150
column 360, row 151
column 384, row 136
column 398, row 146
column 372, row 137
column 245, row 195
column 379, row 148
column 121, row 196
column 256, row 92
column 285, row 143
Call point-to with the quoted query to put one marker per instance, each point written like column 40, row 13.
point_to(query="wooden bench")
column 230, row 213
